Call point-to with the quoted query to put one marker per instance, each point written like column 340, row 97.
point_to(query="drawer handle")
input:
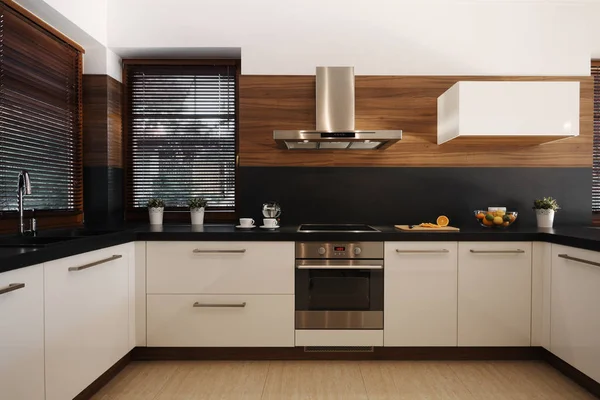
column 517, row 251
column 217, row 305
column 340, row 266
column 234, row 251
column 93, row 264
column 12, row 287
column 581, row 260
column 422, row 251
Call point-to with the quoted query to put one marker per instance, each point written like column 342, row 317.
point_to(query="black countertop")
column 17, row 257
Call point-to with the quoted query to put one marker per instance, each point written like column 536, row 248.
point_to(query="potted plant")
column 197, row 205
column 544, row 211
column 156, row 209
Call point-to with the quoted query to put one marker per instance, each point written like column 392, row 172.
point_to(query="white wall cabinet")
column 575, row 319
column 220, row 267
column 494, row 294
column 22, row 334
column 420, row 294
column 87, row 318
column 221, row 320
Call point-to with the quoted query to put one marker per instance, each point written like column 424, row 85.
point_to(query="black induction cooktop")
column 353, row 228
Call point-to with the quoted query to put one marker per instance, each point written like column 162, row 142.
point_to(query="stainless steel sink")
column 33, row 241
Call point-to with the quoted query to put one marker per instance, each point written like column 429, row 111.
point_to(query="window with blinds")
column 40, row 103
column 181, row 133
column 596, row 157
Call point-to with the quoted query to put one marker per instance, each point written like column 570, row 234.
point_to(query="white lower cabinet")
column 220, row 320
column 87, row 318
column 22, row 334
column 575, row 318
column 494, row 294
column 420, row 294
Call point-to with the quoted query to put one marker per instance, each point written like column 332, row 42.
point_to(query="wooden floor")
column 344, row 380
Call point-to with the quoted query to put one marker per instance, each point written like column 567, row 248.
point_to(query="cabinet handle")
column 517, row 251
column 12, row 287
column 219, row 251
column 340, row 266
column 93, row 264
column 581, row 260
column 422, row 251
column 240, row 305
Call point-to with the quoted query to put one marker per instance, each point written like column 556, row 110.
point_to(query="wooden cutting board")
column 424, row 229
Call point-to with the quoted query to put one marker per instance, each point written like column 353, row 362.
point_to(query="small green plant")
column 546, row 203
column 197, row 202
column 156, row 203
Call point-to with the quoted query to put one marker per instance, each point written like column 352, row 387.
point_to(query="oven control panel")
column 318, row 250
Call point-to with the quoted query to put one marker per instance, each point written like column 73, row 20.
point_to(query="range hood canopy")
column 335, row 119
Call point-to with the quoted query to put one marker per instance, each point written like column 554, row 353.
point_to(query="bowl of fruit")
column 496, row 217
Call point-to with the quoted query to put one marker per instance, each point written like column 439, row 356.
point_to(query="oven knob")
column 321, row 250
column 357, row 250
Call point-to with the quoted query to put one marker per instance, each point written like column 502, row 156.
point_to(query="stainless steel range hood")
column 335, row 119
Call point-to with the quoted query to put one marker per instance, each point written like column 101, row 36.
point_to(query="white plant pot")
column 197, row 216
column 545, row 218
column 156, row 215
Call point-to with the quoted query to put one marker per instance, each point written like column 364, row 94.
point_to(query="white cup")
column 246, row 222
column 270, row 222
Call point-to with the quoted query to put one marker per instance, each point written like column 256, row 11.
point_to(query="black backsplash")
column 102, row 195
column 408, row 195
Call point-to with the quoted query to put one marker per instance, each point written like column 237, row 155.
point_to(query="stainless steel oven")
column 339, row 285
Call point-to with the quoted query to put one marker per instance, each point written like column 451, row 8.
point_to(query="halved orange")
column 442, row 220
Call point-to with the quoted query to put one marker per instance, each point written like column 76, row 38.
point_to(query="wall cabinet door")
column 22, row 334
column 87, row 318
column 494, row 294
column 420, row 293
column 575, row 318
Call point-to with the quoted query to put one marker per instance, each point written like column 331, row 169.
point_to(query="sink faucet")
column 24, row 188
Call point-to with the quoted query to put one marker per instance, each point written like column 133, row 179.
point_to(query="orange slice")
column 442, row 220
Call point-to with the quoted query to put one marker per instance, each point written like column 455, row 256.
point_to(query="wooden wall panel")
column 393, row 102
column 102, row 121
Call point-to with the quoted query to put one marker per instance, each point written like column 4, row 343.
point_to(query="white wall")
column 89, row 15
column 487, row 37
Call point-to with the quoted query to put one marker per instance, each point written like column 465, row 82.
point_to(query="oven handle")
column 340, row 266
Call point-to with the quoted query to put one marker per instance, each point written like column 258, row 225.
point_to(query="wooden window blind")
column 40, row 117
column 596, row 157
column 181, row 129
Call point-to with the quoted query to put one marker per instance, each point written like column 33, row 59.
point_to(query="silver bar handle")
column 93, row 264
column 517, row 251
column 356, row 266
column 233, row 251
column 422, row 251
column 218, row 305
column 12, row 287
column 581, row 260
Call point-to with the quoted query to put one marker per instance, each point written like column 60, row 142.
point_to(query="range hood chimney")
column 335, row 127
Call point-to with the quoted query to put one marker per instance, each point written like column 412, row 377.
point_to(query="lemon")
column 498, row 220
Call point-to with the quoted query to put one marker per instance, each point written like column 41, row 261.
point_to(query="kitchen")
column 316, row 294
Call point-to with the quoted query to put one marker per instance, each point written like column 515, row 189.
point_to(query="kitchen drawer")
column 181, row 321
column 220, row 267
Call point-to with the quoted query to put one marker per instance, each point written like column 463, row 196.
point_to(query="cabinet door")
column 87, row 318
column 575, row 319
column 22, row 334
column 494, row 294
column 420, row 293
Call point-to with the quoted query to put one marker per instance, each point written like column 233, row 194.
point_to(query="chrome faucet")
column 24, row 188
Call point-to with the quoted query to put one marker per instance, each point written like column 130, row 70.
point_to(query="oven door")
column 339, row 294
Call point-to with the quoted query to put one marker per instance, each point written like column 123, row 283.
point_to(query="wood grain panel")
column 394, row 102
column 102, row 121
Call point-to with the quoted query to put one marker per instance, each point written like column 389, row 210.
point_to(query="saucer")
column 269, row 227
column 245, row 227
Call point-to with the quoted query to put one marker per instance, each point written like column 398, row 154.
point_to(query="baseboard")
column 298, row 353
column 573, row 373
column 113, row 371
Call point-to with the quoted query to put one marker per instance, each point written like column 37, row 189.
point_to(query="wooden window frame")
column 178, row 214
column 47, row 219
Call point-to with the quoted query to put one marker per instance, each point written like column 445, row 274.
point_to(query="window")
column 40, row 118
column 596, row 157
column 181, row 127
